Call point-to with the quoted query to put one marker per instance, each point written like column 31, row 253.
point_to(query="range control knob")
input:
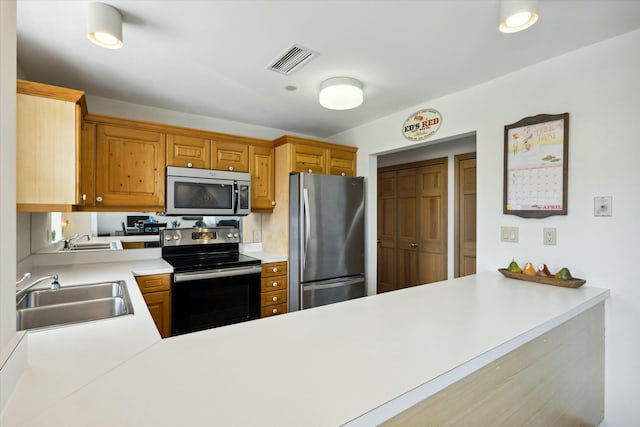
column 176, row 237
column 235, row 235
column 229, row 235
column 167, row 237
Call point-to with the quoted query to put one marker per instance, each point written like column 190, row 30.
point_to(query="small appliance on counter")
column 138, row 224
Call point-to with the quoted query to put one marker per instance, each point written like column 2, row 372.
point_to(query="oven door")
column 199, row 196
column 204, row 300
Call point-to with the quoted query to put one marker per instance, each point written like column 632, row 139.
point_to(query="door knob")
column 99, row 199
column 414, row 245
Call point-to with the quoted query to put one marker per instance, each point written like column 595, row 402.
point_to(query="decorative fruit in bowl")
column 514, row 267
column 529, row 269
column 563, row 274
column 543, row 271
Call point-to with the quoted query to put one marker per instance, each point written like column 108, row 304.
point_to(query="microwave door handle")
column 236, row 194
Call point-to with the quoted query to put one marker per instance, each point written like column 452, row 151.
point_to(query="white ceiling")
column 209, row 57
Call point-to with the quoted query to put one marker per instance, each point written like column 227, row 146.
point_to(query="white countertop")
column 325, row 366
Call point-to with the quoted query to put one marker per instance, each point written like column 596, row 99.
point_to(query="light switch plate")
column 509, row 234
column 602, row 206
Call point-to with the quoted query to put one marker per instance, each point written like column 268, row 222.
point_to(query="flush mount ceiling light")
column 104, row 25
column 340, row 93
column 517, row 15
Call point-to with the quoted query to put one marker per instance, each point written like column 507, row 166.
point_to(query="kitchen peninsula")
column 359, row 362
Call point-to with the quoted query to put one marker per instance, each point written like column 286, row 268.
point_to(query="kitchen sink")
column 67, row 294
column 73, row 304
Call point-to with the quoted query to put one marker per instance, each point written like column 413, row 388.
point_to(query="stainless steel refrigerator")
column 326, row 239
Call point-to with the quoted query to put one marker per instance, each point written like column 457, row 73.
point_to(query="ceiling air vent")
column 291, row 59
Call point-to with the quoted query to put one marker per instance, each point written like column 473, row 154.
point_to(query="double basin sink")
column 72, row 304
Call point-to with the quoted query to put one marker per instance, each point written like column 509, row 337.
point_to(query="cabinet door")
column 87, row 165
column 46, row 149
column 342, row 162
column 230, row 156
column 307, row 158
column 262, row 169
column 159, row 304
column 129, row 168
column 188, row 151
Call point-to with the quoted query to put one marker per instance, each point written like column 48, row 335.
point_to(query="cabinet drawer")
column 154, row 282
column 275, row 283
column 274, row 269
column 273, row 310
column 271, row 298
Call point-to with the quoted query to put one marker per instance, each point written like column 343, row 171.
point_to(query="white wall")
column 7, row 169
column 111, row 107
column 600, row 88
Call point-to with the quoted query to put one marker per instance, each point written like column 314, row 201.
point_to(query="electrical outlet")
column 602, row 206
column 549, row 236
column 509, row 234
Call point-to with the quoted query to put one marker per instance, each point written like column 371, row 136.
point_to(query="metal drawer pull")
column 274, row 311
column 275, row 269
column 274, row 299
column 275, row 284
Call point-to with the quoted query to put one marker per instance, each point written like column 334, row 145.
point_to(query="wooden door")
column 387, row 280
column 262, row 169
column 129, row 168
column 432, row 222
column 465, row 214
column 408, row 232
column 231, row 156
column 188, row 151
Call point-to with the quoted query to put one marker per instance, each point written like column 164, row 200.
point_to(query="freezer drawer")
column 329, row 291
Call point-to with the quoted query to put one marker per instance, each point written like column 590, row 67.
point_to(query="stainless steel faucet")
column 69, row 243
column 54, row 284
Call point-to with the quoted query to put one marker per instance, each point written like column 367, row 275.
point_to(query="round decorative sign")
column 421, row 124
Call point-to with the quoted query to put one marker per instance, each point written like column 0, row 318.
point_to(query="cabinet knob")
column 275, row 284
column 83, row 197
column 414, row 245
column 99, row 199
column 273, row 203
column 274, row 299
column 189, row 165
column 230, row 168
column 274, row 311
column 275, row 269
column 343, row 174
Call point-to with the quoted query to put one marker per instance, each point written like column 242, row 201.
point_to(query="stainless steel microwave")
column 191, row 191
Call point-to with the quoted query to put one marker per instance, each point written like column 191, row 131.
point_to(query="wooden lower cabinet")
column 156, row 291
column 273, row 291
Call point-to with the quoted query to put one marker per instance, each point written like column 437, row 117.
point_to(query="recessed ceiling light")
column 517, row 15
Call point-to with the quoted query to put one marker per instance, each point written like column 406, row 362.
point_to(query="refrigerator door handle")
column 333, row 284
column 307, row 225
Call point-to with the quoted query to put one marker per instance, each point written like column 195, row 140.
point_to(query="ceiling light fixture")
column 104, row 25
column 341, row 93
column 517, row 15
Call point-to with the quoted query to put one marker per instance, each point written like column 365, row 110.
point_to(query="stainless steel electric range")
column 213, row 283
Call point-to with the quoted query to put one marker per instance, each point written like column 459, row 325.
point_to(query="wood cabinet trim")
column 312, row 142
column 54, row 92
column 154, row 283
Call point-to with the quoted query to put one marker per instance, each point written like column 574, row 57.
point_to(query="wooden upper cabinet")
column 308, row 155
column 188, row 151
column 342, row 162
column 130, row 167
column 229, row 155
column 308, row 158
column 262, row 169
column 48, row 136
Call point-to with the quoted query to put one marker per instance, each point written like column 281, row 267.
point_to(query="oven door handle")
column 213, row 274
